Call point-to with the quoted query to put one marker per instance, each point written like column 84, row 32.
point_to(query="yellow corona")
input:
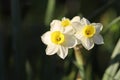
column 57, row 37
column 65, row 22
column 89, row 31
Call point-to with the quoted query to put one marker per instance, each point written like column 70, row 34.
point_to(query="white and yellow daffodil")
column 58, row 41
column 65, row 24
column 88, row 33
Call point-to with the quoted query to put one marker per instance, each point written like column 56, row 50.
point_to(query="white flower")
column 65, row 24
column 58, row 41
column 88, row 33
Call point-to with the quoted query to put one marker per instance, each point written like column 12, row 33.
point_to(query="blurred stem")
column 88, row 71
column 78, row 55
column 17, row 40
column 2, row 61
column 49, row 11
column 80, row 61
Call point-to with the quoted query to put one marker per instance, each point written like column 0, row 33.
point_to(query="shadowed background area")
column 22, row 53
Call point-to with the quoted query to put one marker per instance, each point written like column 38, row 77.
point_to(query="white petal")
column 87, row 43
column 69, row 30
column 64, row 18
column 46, row 38
column 76, row 19
column 98, row 27
column 51, row 49
column 84, row 22
column 70, row 41
column 55, row 22
column 78, row 35
column 77, row 26
column 62, row 52
column 98, row 39
column 56, row 25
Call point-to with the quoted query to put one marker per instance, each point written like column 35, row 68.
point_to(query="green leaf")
column 116, row 20
column 111, row 71
column 117, row 76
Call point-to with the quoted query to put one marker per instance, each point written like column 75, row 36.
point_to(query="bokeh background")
column 22, row 53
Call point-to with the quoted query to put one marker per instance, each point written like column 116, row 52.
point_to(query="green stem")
column 49, row 11
column 80, row 61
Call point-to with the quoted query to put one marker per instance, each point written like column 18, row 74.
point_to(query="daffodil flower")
column 58, row 41
column 88, row 33
column 65, row 24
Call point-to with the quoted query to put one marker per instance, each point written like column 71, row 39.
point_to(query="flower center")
column 65, row 22
column 89, row 31
column 57, row 37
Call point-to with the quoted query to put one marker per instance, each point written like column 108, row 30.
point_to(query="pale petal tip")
column 42, row 39
column 101, row 43
column 101, row 26
column 63, row 52
column 64, row 18
column 62, row 57
column 77, row 17
column 85, row 21
column 88, row 47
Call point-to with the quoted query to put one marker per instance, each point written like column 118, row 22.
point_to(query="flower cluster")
column 66, row 33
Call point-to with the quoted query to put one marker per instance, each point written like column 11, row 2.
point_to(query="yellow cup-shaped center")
column 57, row 37
column 65, row 22
column 89, row 31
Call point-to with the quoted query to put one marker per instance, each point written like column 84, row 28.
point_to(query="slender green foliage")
column 114, row 66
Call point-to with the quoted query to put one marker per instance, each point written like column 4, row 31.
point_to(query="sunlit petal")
column 46, row 38
column 87, row 43
column 98, row 27
column 62, row 52
column 64, row 18
column 51, row 49
column 76, row 19
column 78, row 35
column 77, row 26
column 55, row 22
column 56, row 25
column 84, row 22
column 69, row 30
column 98, row 39
column 70, row 41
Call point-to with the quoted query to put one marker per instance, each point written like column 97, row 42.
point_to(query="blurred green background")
column 22, row 54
